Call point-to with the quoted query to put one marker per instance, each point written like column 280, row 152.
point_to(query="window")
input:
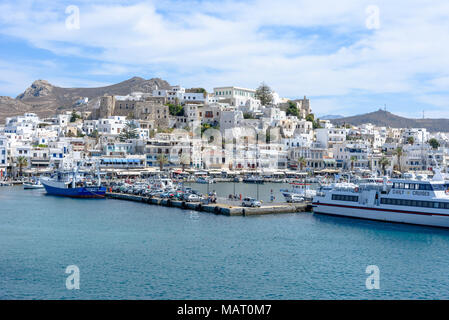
column 415, row 203
column 340, row 197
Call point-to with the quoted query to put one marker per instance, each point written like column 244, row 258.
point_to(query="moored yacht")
column 299, row 189
column 411, row 200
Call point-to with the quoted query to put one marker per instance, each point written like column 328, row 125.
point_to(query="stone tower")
column 107, row 106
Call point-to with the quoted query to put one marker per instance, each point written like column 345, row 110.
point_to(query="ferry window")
column 413, row 203
column 401, row 185
column 416, row 186
column 407, row 202
column 436, row 205
column 406, row 186
column 446, row 205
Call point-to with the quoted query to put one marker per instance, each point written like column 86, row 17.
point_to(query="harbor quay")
column 216, row 208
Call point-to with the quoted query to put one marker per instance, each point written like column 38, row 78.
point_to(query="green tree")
column 410, row 140
column 129, row 132
column 398, row 152
column 264, row 94
column 384, row 162
column 79, row 133
column 310, row 117
column 302, row 162
column 316, row 124
column 162, row 160
column 75, row 116
column 247, row 115
column 175, row 110
column 94, row 134
column 434, row 143
column 21, row 162
column 292, row 110
column 206, row 126
column 353, row 159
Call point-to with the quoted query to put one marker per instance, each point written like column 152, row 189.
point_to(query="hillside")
column 387, row 119
column 45, row 99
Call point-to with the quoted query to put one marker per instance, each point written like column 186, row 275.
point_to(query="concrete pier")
column 216, row 208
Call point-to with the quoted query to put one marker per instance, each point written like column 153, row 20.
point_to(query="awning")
column 128, row 173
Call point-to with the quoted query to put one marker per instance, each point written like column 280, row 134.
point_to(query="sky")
column 348, row 57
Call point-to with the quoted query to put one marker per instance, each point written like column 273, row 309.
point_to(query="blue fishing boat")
column 67, row 185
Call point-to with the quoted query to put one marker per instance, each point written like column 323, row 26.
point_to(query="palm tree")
column 398, row 152
column 21, row 161
column 353, row 159
column 302, row 162
column 162, row 159
column 410, row 140
column 184, row 160
column 384, row 161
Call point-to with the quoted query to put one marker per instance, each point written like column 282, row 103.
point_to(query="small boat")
column 33, row 185
column 253, row 179
column 204, row 180
column 299, row 189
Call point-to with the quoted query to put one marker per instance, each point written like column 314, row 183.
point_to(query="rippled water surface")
column 127, row 250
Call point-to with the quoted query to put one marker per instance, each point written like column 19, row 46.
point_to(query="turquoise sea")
column 127, row 250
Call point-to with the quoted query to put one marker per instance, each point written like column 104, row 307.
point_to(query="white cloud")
column 317, row 48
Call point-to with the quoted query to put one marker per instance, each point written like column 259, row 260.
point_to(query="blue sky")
column 349, row 57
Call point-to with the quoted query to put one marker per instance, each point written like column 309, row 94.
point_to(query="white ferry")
column 415, row 201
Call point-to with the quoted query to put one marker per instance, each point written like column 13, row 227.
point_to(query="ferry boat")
column 415, row 200
column 67, row 184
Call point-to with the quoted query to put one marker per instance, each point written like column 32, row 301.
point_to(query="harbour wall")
column 216, row 208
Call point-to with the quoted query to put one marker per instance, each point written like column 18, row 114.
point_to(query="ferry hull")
column 383, row 214
column 81, row 192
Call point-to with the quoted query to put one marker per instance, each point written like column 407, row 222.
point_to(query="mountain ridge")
column 46, row 99
column 384, row 118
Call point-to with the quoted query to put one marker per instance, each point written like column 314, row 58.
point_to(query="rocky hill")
column 45, row 99
column 387, row 119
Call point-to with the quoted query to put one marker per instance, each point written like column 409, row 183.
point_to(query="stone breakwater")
column 216, row 208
